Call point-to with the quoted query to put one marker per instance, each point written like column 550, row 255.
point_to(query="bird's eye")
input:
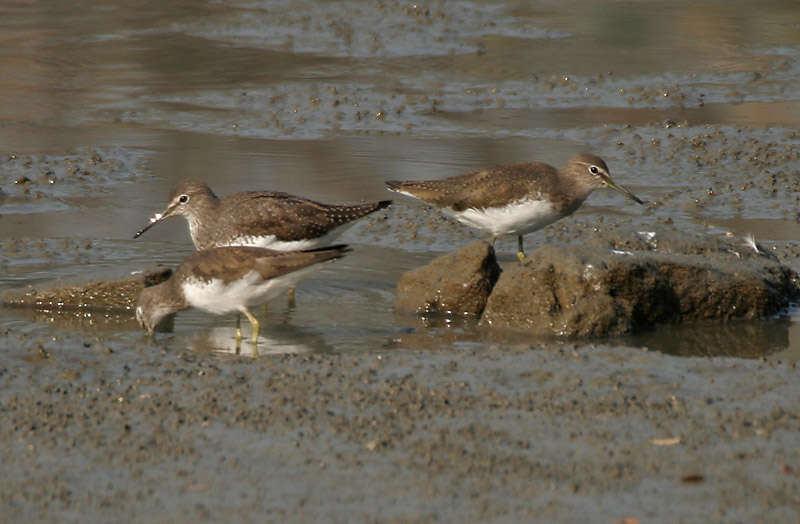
column 185, row 198
column 593, row 170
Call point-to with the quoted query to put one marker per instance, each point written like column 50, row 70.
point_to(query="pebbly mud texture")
column 623, row 285
column 458, row 282
column 99, row 295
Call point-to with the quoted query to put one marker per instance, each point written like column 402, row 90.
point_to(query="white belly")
column 516, row 218
column 270, row 242
column 218, row 297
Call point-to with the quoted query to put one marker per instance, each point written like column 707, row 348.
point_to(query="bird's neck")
column 571, row 195
column 202, row 215
column 170, row 296
column 161, row 302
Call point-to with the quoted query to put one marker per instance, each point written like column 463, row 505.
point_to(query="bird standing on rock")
column 515, row 199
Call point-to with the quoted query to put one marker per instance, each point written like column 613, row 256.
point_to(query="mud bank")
column 102, row 295
column 558, row 432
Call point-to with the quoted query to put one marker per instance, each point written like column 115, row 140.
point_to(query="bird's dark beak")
column 625, row 191
column 155, row 219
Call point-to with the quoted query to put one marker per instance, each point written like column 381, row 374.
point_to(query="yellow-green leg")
column 256, row 327
column 291, row 297
column 253, row 322
column 238, row 330
column 520, row 252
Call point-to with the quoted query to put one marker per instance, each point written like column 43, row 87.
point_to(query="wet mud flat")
column 384, row 417
column 424, row 426
column 592, row 433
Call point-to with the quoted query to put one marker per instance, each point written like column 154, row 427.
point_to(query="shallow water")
column 105, row 107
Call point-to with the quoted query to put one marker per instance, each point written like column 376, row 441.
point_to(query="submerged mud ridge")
column 108, row 295
column 621, row 284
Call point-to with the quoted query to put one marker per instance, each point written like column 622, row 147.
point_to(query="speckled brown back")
column 231, row 263
column 493, row 187
column 289, row 218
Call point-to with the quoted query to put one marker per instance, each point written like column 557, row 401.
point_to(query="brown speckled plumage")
column 226, row 264
column 215, row 222
column 231, row 263
column 501, row 185
column 515, row 198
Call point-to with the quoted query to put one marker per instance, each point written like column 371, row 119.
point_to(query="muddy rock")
column 98, row 295
column 624, row 286
column 458, row 282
